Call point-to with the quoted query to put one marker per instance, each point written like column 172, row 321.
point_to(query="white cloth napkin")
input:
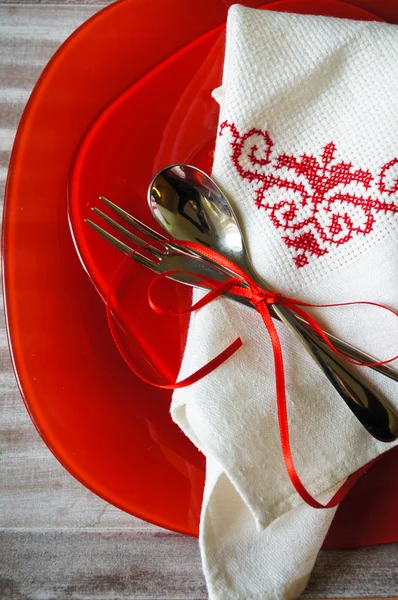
column 307, row 156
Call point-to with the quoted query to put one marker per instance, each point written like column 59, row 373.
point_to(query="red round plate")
column 109, row 429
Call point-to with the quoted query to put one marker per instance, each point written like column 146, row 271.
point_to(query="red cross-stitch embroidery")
column 320, row 203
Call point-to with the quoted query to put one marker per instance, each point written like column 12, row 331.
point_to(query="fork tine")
column 167, row 243
column 154, row 235
column 151, row 249
column 143, row 260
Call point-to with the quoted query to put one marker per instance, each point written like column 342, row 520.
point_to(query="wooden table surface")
column 58, row 540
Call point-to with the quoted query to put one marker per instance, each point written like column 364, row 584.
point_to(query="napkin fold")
column 306, row 153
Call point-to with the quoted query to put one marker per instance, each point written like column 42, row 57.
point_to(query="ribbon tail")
column 283, row 417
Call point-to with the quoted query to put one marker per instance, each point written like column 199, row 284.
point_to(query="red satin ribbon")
column 243, row 285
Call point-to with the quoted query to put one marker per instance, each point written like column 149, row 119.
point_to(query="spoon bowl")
column 189, row 205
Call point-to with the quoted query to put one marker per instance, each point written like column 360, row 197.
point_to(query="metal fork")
column 373, row 413
column 170, row 256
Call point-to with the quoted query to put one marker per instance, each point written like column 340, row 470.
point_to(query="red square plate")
column 107, row 428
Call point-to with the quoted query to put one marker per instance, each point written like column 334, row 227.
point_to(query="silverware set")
column 190, row 206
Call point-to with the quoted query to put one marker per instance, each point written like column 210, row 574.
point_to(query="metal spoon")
column 190, row 206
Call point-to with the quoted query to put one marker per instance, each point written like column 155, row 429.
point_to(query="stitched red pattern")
column 321, row 203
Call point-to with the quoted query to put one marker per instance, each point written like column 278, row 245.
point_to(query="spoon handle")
column 374, row 414
column 348, row 349
column 218, row 273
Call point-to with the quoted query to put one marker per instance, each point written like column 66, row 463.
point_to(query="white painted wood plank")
column 51, row 22
column 86, row 566
column 42, row 565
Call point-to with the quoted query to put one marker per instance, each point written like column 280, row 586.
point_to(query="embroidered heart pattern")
column 317, row 204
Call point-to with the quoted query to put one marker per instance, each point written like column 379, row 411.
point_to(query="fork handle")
column 374, row 414
column 208, row 268
column 219, row 273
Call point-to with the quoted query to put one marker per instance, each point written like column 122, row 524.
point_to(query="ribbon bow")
column 241, row 284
